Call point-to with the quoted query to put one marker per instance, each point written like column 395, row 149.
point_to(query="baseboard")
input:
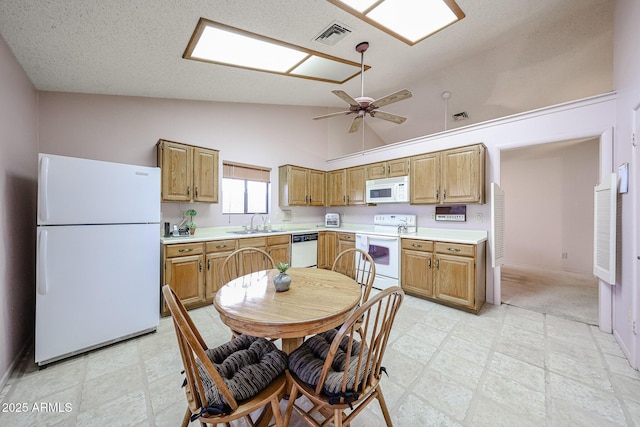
column 14, row 363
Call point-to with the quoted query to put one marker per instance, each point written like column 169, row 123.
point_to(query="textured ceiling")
column 504, row 57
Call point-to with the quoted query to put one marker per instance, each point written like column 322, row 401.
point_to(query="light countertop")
column 204, row 234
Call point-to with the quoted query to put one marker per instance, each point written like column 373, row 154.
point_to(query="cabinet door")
column 185, row 275
column 398, row 167
column 337, row 187
column 377, row 170
column 345, row 241
column 417, row 272
column 316, row 187
column 356, row 180
column 425, row 181
column 454, row 279
column 213, row 281
column 176, row 165
column 205, row 175
column 461, row 175
column 326, row 249
column 280, row 253
column 297, row 186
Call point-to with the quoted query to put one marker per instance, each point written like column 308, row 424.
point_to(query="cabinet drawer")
column 417, row 245
column 221, row 246
column 183, row 249
column 281, row 239
column 347, row 236
column 455, row 249
column 252, row 242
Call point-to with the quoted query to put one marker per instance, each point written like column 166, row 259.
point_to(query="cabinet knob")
column 220, row 246
column 200, row 265
column 437, row 264
column 415, row 245
column 208, row 264
column 188, row 190
column 196, row 191
column 429, row 263
column 185, row 250
column 453, row 249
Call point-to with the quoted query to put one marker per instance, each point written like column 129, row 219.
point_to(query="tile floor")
column 505, row 367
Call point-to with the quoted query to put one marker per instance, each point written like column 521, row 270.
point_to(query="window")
column 245, row 188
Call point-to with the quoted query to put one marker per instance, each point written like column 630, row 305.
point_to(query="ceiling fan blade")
column 346, row 97
column 355, row 124
column 388, row 116
column 390, row 99
column 326, row 116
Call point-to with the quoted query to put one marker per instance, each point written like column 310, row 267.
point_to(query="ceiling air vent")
column 331, row 35
column 458, row 117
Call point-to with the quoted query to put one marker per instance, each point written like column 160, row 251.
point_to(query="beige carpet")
column 564, row 294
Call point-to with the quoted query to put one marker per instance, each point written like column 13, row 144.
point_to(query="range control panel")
column 456, row 213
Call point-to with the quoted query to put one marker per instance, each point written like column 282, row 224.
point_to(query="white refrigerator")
column 98, row 254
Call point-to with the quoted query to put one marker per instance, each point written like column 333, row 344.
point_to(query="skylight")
column 224, row 45
column 408, row 20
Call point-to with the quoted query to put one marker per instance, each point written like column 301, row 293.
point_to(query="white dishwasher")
column 304, row 250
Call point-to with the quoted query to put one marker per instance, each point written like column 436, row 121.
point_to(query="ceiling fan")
column 363, row 104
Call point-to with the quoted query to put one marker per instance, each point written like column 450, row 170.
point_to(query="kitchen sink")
column 273, row 230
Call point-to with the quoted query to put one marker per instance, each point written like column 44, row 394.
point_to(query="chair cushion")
column 308, row 359
column 247, row 366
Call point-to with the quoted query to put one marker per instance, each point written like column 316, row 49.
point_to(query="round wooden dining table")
column 317, row 300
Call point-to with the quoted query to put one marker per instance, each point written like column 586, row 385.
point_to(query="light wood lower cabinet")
column 279, row 247
column 217, row 252
column 193, row 269
column 327, row 245
column 450, row 273
column 183, row 270
column 345, row 241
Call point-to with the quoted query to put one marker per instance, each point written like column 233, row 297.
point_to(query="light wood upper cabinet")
column 337, row 187
column 462, row 175
column 356, row 182
column 205, row 175
column 388, row 169
column 453, row 176
column 346, row 187
column 300, row 186
column 189, row 173
column 424, row 183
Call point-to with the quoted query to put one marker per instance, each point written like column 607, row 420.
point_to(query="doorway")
column 549, row 228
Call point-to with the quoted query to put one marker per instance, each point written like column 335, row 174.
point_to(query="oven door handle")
column 382, row 238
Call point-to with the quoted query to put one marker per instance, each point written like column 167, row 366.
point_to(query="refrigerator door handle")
column 42, row 263
column 43, row 189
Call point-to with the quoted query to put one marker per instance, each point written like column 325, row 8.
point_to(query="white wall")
column 18, row 182
column 126, row 129
column 549, row 204
column 627, row 83
column 580, row 119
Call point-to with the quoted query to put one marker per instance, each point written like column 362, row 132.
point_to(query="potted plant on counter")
column 191, row 226
column 282, row 280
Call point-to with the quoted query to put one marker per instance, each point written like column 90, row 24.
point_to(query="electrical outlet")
column 564, row 255
column 479, row 217
column 433, row 216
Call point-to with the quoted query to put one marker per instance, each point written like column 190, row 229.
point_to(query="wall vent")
column 460, row 116
column 332, row 34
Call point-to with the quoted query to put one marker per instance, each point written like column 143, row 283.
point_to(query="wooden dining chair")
column 244, row 261
column 358, row 265
column 230, row 381
column 336, row 371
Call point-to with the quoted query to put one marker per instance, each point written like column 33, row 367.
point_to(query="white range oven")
column 383, row 244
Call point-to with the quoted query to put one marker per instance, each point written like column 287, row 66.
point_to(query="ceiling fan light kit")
column 364, row 104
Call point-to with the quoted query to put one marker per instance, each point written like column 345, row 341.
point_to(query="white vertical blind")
column 604, row 253
column 497, row 225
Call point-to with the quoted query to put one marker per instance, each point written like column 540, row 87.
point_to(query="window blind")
column 243, row 171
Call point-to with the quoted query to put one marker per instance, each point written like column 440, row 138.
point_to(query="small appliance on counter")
column 332, row 220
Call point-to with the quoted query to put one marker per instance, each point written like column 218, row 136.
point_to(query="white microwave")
column 388, row 190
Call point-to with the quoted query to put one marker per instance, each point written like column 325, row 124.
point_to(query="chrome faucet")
column 253, row 216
